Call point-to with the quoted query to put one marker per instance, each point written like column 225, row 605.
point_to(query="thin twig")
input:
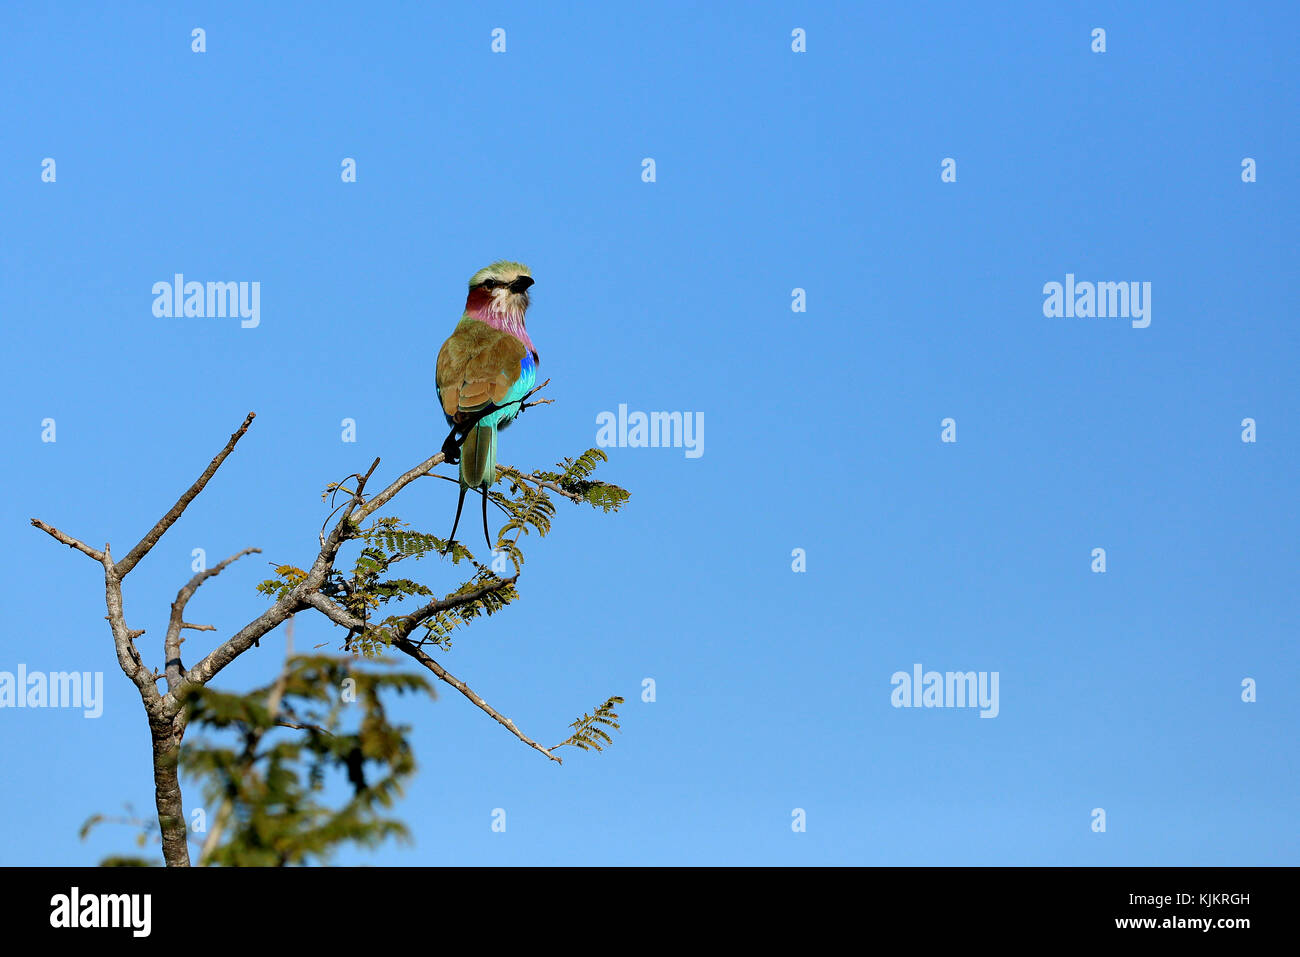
column 168, row 520
column 340, row 616
column 407, row 647
column 304, row 727
column 69, row 540
column 543, row 483
column 173, row 668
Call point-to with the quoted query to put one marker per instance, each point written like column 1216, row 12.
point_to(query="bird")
column 485, row 368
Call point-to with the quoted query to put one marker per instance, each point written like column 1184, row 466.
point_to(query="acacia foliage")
column 374, row 592
column 277, row 782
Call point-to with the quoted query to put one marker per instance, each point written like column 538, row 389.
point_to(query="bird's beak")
column 521, row 284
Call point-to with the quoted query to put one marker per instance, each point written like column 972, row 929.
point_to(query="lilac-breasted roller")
column 484, row 369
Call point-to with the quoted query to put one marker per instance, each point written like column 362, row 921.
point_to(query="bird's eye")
column 489, row 284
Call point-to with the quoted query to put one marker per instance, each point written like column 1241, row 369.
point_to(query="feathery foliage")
column 587, row 732
column 439, row 626
column 269, row 791
column 573, row 478
column 370, row 585
column 267, row 785
column 528, row 504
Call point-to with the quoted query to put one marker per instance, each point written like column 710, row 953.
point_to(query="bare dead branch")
column 406, row 478
column 124, row 637
column 168, row 520
column 172, row 643
column 407, row 647
column 354, row 496
column 69, row 540
column 235, row 646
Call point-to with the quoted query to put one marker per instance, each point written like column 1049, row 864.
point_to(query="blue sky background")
column 775, row 170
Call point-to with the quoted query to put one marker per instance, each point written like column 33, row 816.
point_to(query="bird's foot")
column 451, row 450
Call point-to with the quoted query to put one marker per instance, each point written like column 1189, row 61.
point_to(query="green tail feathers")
column 478, row 457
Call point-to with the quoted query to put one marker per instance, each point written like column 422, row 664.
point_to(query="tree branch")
column 406, row 478
column 356, row 511
column 340, row 616
column 424, row 612
column 407, row 647
column 299, row 597
column 123, row 637
column 69, row 540
column 304, row 727
column 167, row 521
column 172, row 643
column 234, row 646
column 167, row 718
column 515, row 473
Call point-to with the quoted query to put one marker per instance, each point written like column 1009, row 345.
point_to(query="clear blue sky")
column 775, row 170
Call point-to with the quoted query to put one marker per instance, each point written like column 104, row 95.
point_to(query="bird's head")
column 501, row 288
